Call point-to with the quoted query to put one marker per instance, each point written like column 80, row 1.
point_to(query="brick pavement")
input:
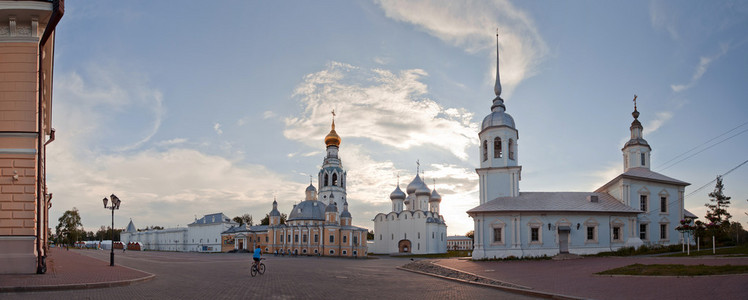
column 226, row 276
column 72, row 270
column 577, row 277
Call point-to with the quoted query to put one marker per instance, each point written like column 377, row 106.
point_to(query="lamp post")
column 112, row 207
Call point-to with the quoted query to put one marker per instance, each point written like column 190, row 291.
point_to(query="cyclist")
column 256, row 256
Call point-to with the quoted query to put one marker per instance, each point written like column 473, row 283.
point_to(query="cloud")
column 660, row 119
column 217, row 128
column 470, row 25
column 389, row 108
column 701, row 68
column 171, row 142
column 663, row 19
column 268, row 115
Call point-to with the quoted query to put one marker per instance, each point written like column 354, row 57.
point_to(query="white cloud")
column 171, row 142
column 389, row 108
column 660, row 119
column 701, row 68
column 217, row 128
column 470, row 25
column 269, row 114
column 663, row 18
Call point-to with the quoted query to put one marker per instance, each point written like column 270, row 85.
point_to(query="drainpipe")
column 58, row 9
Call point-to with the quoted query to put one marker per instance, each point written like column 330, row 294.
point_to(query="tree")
column 266, row 219
column 471, row 234
column 67, row 228
column 370, row 235
column 717, row 212
column 244, row 219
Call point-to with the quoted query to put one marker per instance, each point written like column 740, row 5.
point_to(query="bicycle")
column 256, row 269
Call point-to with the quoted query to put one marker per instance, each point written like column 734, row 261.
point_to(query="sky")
column 187, row 108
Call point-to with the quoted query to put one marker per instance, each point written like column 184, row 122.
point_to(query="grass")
column 676, row 270
column 642, row 250
column 737, row 251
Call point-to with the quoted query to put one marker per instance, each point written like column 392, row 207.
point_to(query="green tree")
column 266, row 219
column 244, row 219
column 470, row 234
column 370, row 235
column 717, row 212
column 67, row 228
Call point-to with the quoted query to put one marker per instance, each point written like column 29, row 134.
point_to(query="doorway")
column 563, row 239
column 404, row 246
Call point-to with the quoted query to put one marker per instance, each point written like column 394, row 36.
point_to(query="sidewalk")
column 72, row 270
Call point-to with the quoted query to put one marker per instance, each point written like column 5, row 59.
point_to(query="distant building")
column 458, row 242
column 202, row 235
column 637, row 207
column 314, row 226
column 27, row 51
column 414, row 225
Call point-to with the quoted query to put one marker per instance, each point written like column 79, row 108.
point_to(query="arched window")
column 327, row 179
column 485, row 150
column 511, row 149
column 497, row 147
column 334, row 178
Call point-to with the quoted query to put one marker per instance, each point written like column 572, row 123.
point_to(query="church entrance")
column 241, row 244
column 404, row 246
column 563, row 239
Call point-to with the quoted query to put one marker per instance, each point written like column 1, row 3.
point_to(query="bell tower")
column 499, row 173
column 332, row 177
column 636, row 150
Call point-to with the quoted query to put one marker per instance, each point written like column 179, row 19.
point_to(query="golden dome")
column 332, row 138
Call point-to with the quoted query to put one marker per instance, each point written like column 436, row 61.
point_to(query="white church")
column 637, row 207
column 414, row 226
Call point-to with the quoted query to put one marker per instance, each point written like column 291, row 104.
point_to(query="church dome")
column 308, row 210
column 275, row 212
column 397, row 194
column 345, row 213
column 331, row 208
column 332, row 138
column 414, row 185
column 423, row 190
column 498, row 118
column 435, row 197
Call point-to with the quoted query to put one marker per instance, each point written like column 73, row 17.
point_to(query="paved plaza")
column 175, row 275
column 226, row 276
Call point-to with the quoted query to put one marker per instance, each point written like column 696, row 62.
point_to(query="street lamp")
column 115, row 205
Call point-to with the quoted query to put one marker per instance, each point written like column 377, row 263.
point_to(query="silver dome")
column 308, row 210
column 414, row 185
column 435, row 197
column 423, row 190
column 397, row 194
column 497, row 118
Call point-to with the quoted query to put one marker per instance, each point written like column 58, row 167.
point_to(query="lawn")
column 737, row 251
column 676, row 270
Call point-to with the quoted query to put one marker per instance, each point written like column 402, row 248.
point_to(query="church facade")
column 318, row 225
column 414, row 225
column 637, row 207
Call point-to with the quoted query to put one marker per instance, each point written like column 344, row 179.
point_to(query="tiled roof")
column 645, row 174
column 688, row 214
column 555, row 202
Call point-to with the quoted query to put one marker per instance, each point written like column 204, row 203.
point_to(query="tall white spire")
column 498, row 103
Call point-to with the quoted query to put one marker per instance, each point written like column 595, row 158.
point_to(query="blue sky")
column 183, row 109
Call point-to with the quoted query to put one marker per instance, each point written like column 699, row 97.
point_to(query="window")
column 643, row 162
column 289, row 238
column 345, row 239
column 345, row 252
column 266, row 239
column 663, row 204
column 380, row 237
column 643, row 231
column 419, row 235
column 332, row 238
column 616, row 233
column 590, row 233
column 663, row 231
column 393, row 236
column 316, row 238
column 281, row 238
column 643, row 202
column 295, row 238
column 511, row 149
column 304, row 238
column 534, row 234
column 334, row 178
column 485, row 150
column 406, row 236
column 332, row 252
column 327, row 178
column 497, row 147
column 355, row 240
column 497, row 235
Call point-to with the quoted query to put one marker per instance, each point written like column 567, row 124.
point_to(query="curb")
column 75, row 286
column 545, row 295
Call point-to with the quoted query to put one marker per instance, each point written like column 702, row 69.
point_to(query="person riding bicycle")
column 256, row 256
